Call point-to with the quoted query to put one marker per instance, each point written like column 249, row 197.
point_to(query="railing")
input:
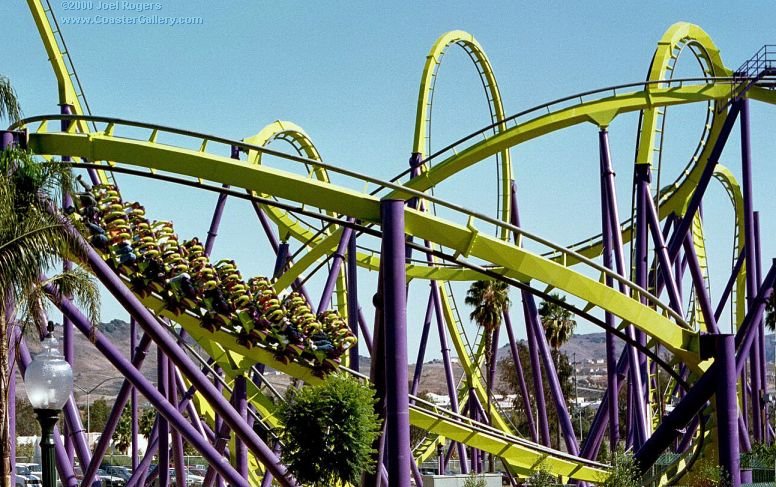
column 762, row 63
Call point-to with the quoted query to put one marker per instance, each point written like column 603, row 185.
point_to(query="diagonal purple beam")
column 701, row 392
column 520, row 377
column 700, row 286
column 163, row 340
column 159, row 402
column 138, row 357
column 422, row 346
column 336, row 264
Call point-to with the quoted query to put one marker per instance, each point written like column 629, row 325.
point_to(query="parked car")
column 192, row 480
column 109, row 480
column 124, row 473
column 25, row 477
column 79, row 475
column 37, row 471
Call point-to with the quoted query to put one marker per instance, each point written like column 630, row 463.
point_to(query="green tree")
column 509, row 385
column 122, row 436
column 145, row 422
column 490, row 299
column 26, row 422
column 474, row 480
column 542, row 478
column 9, row 103
column 33, row 240
column 97, row 416
column 770, row 309
column 558, row 323
column 624, row 472
column 328, row 431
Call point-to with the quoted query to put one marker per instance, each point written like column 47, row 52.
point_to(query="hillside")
column 91, row 367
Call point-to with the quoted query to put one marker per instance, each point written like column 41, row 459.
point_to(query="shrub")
column 624, row 473
column 542, row 478
column 328, row 431
column 474, row 480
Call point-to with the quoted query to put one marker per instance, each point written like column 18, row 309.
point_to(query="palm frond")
column 9, row 102
column 82, row 286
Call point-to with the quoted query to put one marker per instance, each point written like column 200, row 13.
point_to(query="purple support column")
column 215, row 222
column 768, row 430
column 729, row 286
column 177, row 441
column 727, row 406
column 452, row 392
column 611, row 351
column 422, row 346
column 221, row 431
column 520, row 378
column 364, row 327
column 138, row 357
column 157, row 332
column 751, row 266
column 566, row 426
column 336, row 264
column 239, row 400
column 533, row 355
column 162, row 363
column 641, row 242
column 702, row 390
column 395, row 325
column 700, row 286
column 352, row 285
column 536, row 371
column 159, row 402
column 134, row 403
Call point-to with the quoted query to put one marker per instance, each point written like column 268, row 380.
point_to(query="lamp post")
column 88, row 401
column 49, row 383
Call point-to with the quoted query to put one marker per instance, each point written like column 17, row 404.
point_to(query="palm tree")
column 9, row 104
column 558, row 323
column 33, row 240
column 490, row 300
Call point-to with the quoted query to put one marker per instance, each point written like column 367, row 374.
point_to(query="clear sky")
column 348, row 73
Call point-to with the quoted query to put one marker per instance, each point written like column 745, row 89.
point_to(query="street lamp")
column 49, row 383
column 88, row 402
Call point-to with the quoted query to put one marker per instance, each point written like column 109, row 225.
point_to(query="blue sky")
column 348, row 73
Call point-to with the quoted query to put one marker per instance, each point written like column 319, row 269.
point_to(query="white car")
column 25, row 477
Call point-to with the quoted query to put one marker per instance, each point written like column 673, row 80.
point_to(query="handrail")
column 564, row 252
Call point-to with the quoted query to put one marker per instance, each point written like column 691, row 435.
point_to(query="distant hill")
column 91, row 367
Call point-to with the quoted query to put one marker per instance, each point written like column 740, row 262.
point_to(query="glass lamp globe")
column 49, row 378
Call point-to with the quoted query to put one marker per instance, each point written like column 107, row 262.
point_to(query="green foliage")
column 26, row 422
column 474, row 480
column 25, row 452
column 122, row 437
column 558, row 322
column 328, row 431
column 509, row 385
column 706, row 473
column 759, row 454
column 9, row 102
column 542, row 478
column 96, row 415
column 624, row 473
column 146, row 422
column 770, row 310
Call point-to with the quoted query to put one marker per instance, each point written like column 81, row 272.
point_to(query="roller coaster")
column 214, row 396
